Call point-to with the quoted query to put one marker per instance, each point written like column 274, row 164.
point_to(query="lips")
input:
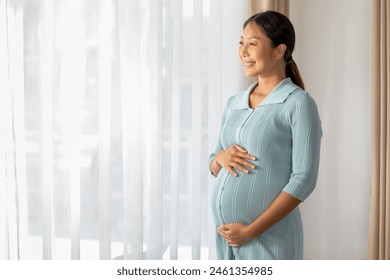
column 249, row 63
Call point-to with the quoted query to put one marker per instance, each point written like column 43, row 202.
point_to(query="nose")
column 243, row 51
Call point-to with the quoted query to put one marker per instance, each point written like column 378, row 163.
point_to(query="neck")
column 267, row 84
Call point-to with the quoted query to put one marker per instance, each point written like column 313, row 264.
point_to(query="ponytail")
column 292, row 72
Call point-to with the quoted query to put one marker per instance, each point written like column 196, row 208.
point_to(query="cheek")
column 260, row 53
column 266, row 58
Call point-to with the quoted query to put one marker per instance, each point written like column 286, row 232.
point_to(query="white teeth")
column 249, row 63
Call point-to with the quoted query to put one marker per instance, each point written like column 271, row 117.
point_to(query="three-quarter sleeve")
column 306, row 139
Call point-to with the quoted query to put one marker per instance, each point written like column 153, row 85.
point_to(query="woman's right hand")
column 235, row 157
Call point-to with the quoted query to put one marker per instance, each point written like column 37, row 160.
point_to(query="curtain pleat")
column 47, row 46
column 196, row 128
column 19, row 129
column 72, row 94
column 154, row 138
column 4, row 240
column 132, row 127
column 215, row 95
column 176, row 12
column 20, row 146
column 379, row 227
column 105, row 92
column 12, row 175
column 11, row 100
column 4, row 111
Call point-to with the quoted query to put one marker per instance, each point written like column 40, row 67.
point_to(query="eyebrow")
column 252, row 37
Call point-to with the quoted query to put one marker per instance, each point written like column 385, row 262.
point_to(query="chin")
column 250, row 75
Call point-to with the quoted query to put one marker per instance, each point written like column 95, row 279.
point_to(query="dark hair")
column 280, row 30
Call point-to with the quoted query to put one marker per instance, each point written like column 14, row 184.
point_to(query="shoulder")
column 300, row 99
column 302, row 108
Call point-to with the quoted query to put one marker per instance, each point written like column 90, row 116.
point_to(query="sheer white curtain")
column 108, row 111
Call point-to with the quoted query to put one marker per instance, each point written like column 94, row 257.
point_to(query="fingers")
column 240, row 168
column 237, row 166
column 226, row 237
column 245, row 163
column 236, row 158
column 240, row 164
column 241, row 149
column 223, row 231
column 243, row 153
column 248, row 156
column 231, row 170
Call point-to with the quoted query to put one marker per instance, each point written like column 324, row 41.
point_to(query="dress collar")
column 278, row 95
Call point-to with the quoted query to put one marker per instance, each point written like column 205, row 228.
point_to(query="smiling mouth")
column 249, row 64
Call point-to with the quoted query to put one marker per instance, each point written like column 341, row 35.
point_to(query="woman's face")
column 256, row 52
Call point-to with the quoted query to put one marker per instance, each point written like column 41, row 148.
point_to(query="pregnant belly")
column 241, row 199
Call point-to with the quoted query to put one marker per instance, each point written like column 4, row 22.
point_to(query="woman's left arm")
column 237, row 234
column 306, row 137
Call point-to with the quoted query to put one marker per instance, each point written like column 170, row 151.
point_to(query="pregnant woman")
column 267, row 156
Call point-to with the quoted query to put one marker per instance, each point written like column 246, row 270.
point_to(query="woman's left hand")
column 236, row 234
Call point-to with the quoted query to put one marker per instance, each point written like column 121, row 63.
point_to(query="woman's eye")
column 249, row 44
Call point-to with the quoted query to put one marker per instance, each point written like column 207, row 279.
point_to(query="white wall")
column 334, row 56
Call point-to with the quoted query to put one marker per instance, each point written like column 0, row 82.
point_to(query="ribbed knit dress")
column 284, row 133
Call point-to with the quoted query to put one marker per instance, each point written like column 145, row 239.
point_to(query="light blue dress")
column 284, row 133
